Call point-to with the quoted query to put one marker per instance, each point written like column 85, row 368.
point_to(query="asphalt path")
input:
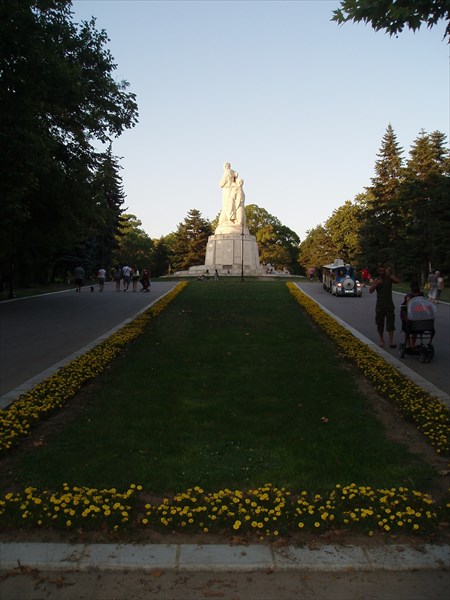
column 42, row 332
column 359, row 313
column 26, row 583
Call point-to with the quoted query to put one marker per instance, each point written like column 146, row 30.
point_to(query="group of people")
column 125, row 275
column 130, row 276
column 384, row 308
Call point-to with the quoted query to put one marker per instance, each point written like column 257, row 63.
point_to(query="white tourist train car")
column 340, row 279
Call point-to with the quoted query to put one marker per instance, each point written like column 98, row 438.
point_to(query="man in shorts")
column 384, row 309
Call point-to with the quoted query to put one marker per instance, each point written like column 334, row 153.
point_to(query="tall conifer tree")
column 380, row 215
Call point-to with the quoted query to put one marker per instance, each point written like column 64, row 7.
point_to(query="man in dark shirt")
column 384, row 309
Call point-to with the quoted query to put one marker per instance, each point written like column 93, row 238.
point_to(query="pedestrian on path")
column 126, row 274
column 440, row 285
column 78, row 274
column 145, row 281
column 433, row 286
column 101, row 276
column 117, row 274
column 384, row 309
column 135, row 277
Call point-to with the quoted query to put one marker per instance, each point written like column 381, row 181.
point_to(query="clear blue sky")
column 297, row 104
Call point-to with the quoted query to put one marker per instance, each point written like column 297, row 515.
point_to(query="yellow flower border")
column 267, row 511
column 429, row 414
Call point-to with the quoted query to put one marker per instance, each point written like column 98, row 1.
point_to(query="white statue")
column 233, row 198
column 238, row 202
column 226, row 183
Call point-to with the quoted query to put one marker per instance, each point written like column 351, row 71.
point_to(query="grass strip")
column 429, row 414
column 228, row 389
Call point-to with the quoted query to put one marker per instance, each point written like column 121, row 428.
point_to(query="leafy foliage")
column 278, row 245
column 134, row 246
column 57, row 99
column 317, row 248
column 394, row 15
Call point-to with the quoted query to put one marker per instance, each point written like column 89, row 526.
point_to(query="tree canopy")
column 393, row 16
column 58, row 101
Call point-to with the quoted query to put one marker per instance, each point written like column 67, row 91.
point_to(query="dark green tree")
column 317, row 249
column 393, row 16
column 278, row 245
column 159, row 258
column 134, row 246
column 380, row 217
column 191, row 238
column 424, row 205
column 343, row 229
column 110, row 197
column 57, row 100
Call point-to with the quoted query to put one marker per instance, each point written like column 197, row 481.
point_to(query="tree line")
column 61, row 191
column 186, row 246
column 60, row 111
column 402, row 218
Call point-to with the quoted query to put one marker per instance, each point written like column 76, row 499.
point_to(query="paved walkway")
column 40, row 334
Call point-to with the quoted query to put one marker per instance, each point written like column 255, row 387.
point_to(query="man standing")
column 384, row 309
column 126, row 274
column 101, row 275
column 78, row 275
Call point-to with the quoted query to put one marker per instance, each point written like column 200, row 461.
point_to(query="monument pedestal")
column 225, row 250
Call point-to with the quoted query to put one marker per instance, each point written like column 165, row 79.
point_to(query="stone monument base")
column 225, row 251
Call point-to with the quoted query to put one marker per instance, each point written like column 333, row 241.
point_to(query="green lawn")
column 231, row 386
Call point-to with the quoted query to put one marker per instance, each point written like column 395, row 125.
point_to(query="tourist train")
column 340, row 279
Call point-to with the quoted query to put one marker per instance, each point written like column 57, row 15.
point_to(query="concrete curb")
column 218, row 557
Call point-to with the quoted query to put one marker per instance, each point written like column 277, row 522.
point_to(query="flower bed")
column 267, row 511
column 430, row 415
column 17, row 419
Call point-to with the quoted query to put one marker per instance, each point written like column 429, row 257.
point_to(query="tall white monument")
column 232, row 250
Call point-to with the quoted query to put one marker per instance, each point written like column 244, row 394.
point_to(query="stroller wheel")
column 430, row 352
column 423, row 356
column 401, row 350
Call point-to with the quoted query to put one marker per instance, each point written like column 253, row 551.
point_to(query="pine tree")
column 424, row 206
column 191, row 238
column 380, row 219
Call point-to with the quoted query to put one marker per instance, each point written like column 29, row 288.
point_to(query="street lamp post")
column 11, row 294
column 242, row 251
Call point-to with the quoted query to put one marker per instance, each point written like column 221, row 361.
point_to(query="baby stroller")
column 418, row 324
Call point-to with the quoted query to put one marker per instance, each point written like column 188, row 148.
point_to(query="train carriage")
column 340, row 279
